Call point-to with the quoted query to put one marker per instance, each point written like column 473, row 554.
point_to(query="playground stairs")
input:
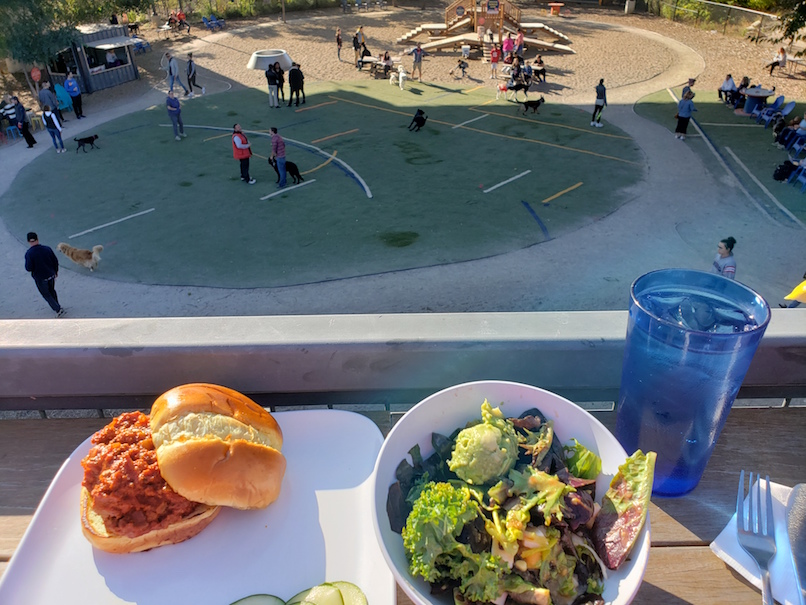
column 433, row 29
column 542, row 27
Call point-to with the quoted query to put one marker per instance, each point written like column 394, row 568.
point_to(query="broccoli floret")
column 430, row 540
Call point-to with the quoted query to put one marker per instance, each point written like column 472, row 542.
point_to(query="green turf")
column 751, row 143
column 427, row 206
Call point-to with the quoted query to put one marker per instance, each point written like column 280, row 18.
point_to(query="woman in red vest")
column 241, row 150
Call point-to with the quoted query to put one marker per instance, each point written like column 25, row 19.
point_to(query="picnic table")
column 682, row 568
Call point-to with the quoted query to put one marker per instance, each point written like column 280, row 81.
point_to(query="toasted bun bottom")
column 92, row 524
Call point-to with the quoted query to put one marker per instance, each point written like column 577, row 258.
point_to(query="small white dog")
column 502, row 89
column 399, row 77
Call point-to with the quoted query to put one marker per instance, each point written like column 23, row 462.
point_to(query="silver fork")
column 757, row 538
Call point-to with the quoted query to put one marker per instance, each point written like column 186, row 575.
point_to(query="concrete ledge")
column 336, row 359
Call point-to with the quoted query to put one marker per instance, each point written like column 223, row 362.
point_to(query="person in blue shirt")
column 71, row 86
column 418, row 54
column 685, row 109
column 42, row 264
column 175, row 113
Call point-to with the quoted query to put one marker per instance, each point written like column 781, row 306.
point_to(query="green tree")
column 32, row 32
column 793, row 21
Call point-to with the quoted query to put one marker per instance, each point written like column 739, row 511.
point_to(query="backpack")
column 784, row 171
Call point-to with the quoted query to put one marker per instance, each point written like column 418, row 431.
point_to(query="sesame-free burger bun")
column 96, row 531
column 217, row 446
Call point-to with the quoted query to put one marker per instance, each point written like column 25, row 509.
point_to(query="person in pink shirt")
column 495, row 57
column 508, row 45
column 519, row 43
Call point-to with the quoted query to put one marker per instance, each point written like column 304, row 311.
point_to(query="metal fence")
column 733, row 20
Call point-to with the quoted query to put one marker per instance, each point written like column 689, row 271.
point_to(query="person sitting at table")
column 778, row 61
column 386, row 61
column 111, row 59
column 528, row 73
column 509, row 58
column 727, row 89
column 182, row 20
column 540, row 68
column 780, row 124
column 740, row 96
column 790, row 133
column 364, row 53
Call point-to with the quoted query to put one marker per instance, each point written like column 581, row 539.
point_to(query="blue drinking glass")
column 691, row 336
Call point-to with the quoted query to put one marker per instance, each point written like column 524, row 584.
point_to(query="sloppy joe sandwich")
column 126, row 505
column 217, row 446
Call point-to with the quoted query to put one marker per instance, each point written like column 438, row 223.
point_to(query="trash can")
column 465, row 51
column 629, row 7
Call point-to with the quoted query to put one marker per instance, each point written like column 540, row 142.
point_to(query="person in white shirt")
column 778, row 61
column 727, row 89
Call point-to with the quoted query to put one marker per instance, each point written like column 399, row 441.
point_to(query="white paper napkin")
column 726, row 547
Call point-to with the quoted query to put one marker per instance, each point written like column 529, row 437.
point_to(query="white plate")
column 318, row 530
column 452, row 408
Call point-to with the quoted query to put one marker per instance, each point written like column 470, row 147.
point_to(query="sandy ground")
column 604, row 49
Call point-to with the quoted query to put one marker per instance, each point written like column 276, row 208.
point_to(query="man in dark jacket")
column 22, row 123
column 296, row 81
column 42, row 264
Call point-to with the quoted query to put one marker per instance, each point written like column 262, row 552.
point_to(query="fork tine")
column 740, row 503
column 770, row 529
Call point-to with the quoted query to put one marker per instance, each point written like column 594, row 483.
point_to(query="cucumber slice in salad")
column 329, row 593
column 323, row 594
column 350, row 593
column 260, row 599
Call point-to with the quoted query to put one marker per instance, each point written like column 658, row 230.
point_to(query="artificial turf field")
column 376, row 197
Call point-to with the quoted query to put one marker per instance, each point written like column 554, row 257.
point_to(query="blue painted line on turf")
column 531, row 211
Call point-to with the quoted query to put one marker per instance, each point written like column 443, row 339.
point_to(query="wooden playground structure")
column 478, row 24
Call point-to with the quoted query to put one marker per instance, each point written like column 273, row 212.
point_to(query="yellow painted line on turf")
column 483, row 104
column 218, row 136
column 322, row 165
column 554, row 145
column 472, row 89
column 563, row 192
column 257, row 155
column 316, row 106
column 730, row 125
column 504, row 136
column 555, row 125
column 284, row 189
column 333, row 136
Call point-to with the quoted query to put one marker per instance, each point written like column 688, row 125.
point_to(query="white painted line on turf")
column 733, row 178
column 473, row 120
column 120, row 220
column 502, row 183
column 284, row 189
column 318, row 150
column 766, row 191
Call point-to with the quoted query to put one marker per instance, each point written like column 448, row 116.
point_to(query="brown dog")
column 87, row 258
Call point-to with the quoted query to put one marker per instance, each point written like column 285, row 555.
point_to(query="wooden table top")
column 682, row 568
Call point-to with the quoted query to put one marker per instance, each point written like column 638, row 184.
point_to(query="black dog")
column 290, row 169
column 533, row 105
column 86, row 141
column 418, row 121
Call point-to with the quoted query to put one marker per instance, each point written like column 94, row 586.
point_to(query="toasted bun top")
column 217, row 446
column 214, row 399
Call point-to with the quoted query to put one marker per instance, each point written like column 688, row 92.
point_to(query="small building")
column 102, row 57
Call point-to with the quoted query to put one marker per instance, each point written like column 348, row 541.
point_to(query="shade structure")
column 261, row 59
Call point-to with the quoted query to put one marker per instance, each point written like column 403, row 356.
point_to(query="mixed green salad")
column 503, row 511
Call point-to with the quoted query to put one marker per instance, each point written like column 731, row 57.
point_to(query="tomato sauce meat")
column 124, row 481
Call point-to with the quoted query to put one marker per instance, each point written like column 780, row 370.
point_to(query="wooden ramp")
column 542, row 27
column 556, row 46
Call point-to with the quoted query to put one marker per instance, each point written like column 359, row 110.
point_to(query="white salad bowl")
column 452, row 408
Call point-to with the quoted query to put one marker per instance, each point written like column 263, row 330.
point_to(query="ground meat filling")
column 124, row 481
